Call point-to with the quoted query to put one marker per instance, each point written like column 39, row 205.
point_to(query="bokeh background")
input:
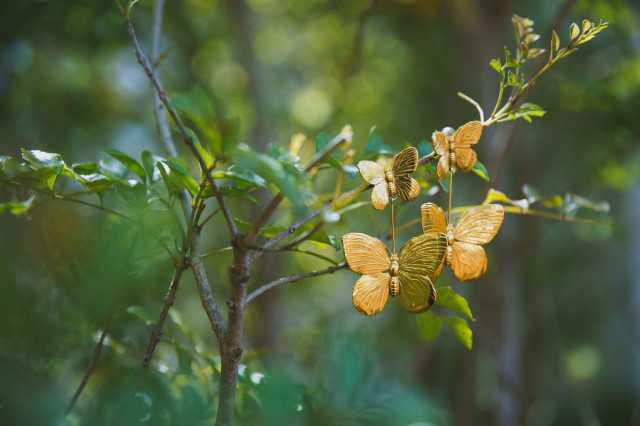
column 557, row 330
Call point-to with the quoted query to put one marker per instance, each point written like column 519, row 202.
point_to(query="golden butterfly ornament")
column 473, row 228
column 391, row 178
column 404, row 274
column 455, row 149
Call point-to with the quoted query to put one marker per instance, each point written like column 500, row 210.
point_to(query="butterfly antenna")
column 393, row 229
column 450, row 188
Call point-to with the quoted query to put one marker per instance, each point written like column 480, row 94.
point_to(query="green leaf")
column 41, row 159
column 425, row 148
column 143, row 314
column 452, row 300
column 10, row 167
column 443, row 183
column 429, row 325
column 531, row 193
column 43, row 178
column 574, row 32
column 285, row 178
column 320, row 236
column 322, row 140
column 243, row 177
column 268, row 231
column 375, row 144
column 173, row 186
column 17, row 207
column 184, row 358
column 481, row 171
column 461, row 330
column 147, row 162
column 133, row 192
column 96, row 182
column 85, row 168
column 555, row 44
column 206, row 157
column 509, row 62
column 129, row 162
column 230, row 191
column 350, row 170
column 511, row 80
column 189, row 183
column 496, row 65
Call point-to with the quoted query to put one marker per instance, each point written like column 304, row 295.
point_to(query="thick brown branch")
column 291, row 279
column 144, row 61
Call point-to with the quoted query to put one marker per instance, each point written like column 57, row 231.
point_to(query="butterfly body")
column 404, row 274
column 455, row 150
column 474, row 227
column 390, row 178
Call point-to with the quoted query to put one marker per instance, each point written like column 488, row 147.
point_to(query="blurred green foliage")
column 556, row 330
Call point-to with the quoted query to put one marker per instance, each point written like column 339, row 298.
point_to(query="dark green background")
column 558, row 323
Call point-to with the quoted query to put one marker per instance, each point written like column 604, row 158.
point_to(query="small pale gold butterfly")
column 404, row 274
column 473, row 228
column 455, row 151
column 391, row 178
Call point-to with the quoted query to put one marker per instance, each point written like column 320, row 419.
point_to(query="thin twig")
column 293, row 228
column 474, row 103
column 427, row 159
column 291, row 279
column 144, row 62
column 157, row 330
column 302, row 237
column 92, row 364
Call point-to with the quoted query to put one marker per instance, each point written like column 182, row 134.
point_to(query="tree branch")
column 291, row 279
column 302, row 237
column 144, row 62
column 157, row 330
column 218, row 324
column 92, row 364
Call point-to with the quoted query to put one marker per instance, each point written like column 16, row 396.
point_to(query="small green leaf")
column 509, row 62
column 147, row 162
column 574, row 32
column 230, row 191
column 85, row 168
column 41, row 159
column 268, row 231
column 173, row 186
column 496, row 65
column 132, row 192
column 375, row 144
column 322, row 140
column 143, row 314
column 429, row 325
column 287, row 179
column 17, row 207
column 189, row 183
column 43, row 178
column 481, row 171
column 10, row 167
column 461, row 330
column 452, row 300
column 511, row 79
column 206, row 157
column 555, row 44
column 243, row 177
column 129, row 162
column 184, row 358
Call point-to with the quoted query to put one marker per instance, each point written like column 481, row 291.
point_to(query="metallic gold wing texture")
column 371, row 292
column 403, row 164
column 365, row 255
column 390, row 178
column 473, row 228
column 456, row 151
column 466, row 135
column 434, row 219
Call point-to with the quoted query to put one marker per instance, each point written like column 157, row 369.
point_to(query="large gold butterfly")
column 473, row 228
column 391, row 178
column 455, row 151
column 404, row 274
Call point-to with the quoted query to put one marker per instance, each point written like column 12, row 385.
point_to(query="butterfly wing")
column 408, row 188
column 421, row 255
column 468, row 261
column 371, row 292
column 441, row 147
column 433, row 218
column 371, row 172
column 365, row 255
column 417, row 293
column 480, row 224
column 467, row 135
column 405, row 162
column 380, row 196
